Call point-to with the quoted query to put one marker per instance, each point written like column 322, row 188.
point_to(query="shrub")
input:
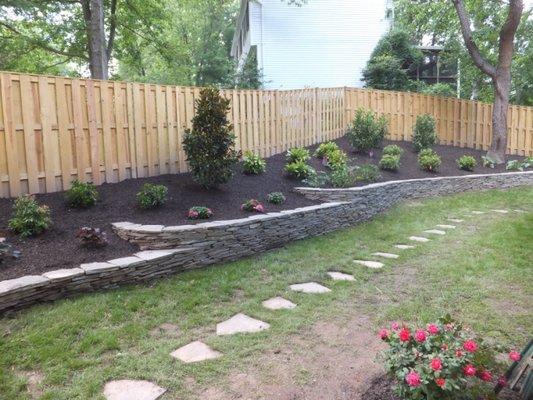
column 325, row 148
column 253, row 164
column 209, row 145
column 342, row 177
column 92, row 237
column 440, row 89
column 81, row 195
column 29, row 218
column 7, row 252
column 424, row 135
column 336, row 159
column 393, row 150
column 152, row 196
column 199, row 212
column 253, row 205
column 515, row 165
column 298, row 169
column 429, row 160
column 367, row 131
column 389, row 162
column 527, row 163
column 488, row 162
column 466, row 162
column 367, row 173
column 317, row 179
column 439, row 361
column 298, row 154
column 276, row 198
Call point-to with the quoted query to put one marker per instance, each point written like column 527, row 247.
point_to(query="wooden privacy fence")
column 54, row 130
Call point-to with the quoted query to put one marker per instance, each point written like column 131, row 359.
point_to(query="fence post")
column 318, row 116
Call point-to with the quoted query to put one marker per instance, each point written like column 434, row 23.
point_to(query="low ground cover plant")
column 276, row 198
column 516, row 165
column 253, row 164
column 439, row 361
column 199, row 212
column 253, row 205
column 424, row 135
column 488, row 162
column 81, row 195
column 317, row 179
column 342, row 177
column 298, row 169
column 392, row 150
column 29, row 218
column 152, row 196
column 92, row 237
column 325, row 148
column 389, row 162
column 466, row 163
column 366, row 131
column 297, row 154
column 429, row 160
column 367, row 173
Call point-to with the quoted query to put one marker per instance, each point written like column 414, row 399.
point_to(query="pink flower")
column 413, row 379
column 404, row 335
column 420, row 336
column 470, row 346
column 384, row 334
column 515, row 355
column 433, row 329
column 395, row 326
column 448, row 327
column 485, row 376
column 458, row 353
column 436, row 364
column 440, row 382
column 502, row 381
column 259, row 208
column 469, row 370
column 444, row 347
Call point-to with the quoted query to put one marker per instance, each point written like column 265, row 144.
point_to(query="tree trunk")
column 93, row 12
column 502, row 86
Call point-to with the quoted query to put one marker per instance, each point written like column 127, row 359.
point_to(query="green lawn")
column 478, row 272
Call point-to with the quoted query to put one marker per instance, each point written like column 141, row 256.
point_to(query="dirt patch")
column 33, row 382
column 166, row 330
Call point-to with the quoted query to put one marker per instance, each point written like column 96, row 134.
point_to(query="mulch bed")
column 58, row 248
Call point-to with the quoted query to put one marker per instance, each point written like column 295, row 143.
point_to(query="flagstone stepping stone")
column 419, row 239
column 309, row 287
column 278, row 303
column 435, row 231
column 501, row 211
column 241, row 323
column 195, row 352
column 385, row 255
column 444, row 226
column 127, row 389
column 519, row 211
column 456, row 220
column 339, row 276
column 478, row 212
column 370, row 264
column 404, row 246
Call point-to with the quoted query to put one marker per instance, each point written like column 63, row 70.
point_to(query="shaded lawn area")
column 477, row 272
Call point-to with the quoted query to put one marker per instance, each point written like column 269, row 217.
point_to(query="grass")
column 476, row 272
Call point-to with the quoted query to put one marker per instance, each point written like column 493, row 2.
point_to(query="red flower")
column 440, row 382
column 469, row 370
column 515, row 355
column 404, row 335
column 395, row 326
column 384, row 334
column 413, row 379
column 436, row 364
column 458, row 353
column 502, row 381
column 485, row 376
column 470, row 346
column 433, row 329
column 420, row 336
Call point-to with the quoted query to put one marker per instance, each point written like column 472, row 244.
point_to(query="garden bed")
column 58, row 248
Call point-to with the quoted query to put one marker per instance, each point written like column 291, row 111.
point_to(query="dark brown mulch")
column 380, row 388
column 57, row 248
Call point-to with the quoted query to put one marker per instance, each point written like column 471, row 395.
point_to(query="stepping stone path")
column 501, row 211
column 478, row 212
column 519, row 211
column 195, row 352
column 370, row 264
column 419, row 239
column 456, row 220
column 132, row 390
column 385, row 255
column 241, row 323
column 435, row 232
column 404, row 246
column 310, row 287
column 339, row 276
column 443, row 226
column 278, row 303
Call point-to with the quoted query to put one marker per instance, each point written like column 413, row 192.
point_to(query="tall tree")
column 500, row 73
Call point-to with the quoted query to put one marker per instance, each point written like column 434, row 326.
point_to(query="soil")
column 57, row 248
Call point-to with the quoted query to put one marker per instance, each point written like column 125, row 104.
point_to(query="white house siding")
column 323, row 43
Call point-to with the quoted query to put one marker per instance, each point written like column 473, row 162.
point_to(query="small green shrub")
column 298, row 154
column 29, row 218
column 393, row 150
column 366, row 131
column 199, row 212
column 253, row 164
column 298, row 169
column 488, row 162
column 527, row 162
column 152, row 196
column 337, row 159
column 389, row 162
column 81, row 195
column 325, row 148
column 466, row 163
column 514, row 165
column 424, row 135
column 317, row 179
column 429, row 160
column 367, row 173
column 276, row 198
column 342, row 177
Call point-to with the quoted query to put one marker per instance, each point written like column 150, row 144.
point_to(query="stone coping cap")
column 22, row 283
column 65, row 273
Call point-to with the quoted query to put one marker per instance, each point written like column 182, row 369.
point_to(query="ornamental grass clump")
column 439, row 361
column 366, row 131
column 466, row 163
column 199, row 212
column 253, row 205
column 29, row 218
column 253, row 164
